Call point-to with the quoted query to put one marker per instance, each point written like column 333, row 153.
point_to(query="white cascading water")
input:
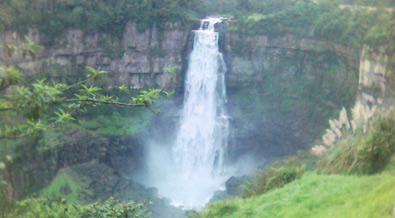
column 196, row 169
column 204, row 128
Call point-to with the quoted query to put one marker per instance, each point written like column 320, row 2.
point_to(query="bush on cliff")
column 363, row 153
column 278, row 174
column 357, row 154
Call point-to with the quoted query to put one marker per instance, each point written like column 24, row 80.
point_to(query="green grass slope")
column 64, row 178
column 317, row 195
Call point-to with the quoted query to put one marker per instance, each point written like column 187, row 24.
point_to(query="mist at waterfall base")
column 189, row 167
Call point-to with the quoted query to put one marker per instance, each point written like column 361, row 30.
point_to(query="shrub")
column 115, row 209
column 275, row 176
column 219, row 209
column 60, row 208
column 43, row 208
column 363, row 154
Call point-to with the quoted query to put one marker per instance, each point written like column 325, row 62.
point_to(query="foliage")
column 116, row 123
column 9, row 76
column 146, row 98
column 172, row 70
column 45, row 208
column 363, row 154
column 60, row 208
column 33, row 102
column 115, row 209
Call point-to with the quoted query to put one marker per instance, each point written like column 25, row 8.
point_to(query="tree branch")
column 105, row 102
column 74, row 85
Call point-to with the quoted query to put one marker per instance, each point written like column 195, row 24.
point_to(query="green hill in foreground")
column 359, row 181
column 317, row 195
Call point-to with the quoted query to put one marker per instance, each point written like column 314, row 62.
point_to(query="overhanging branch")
column 105, row 102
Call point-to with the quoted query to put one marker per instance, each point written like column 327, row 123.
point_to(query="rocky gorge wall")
column 282, row 91
column 136, row 58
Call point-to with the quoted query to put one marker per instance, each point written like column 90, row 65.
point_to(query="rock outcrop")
column 376, row 81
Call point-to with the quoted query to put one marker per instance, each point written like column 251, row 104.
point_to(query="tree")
column 27, row 109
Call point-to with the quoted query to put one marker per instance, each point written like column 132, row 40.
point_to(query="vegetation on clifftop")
column 324, row 20
column 111, row 16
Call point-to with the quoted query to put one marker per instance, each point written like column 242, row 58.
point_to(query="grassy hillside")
column 357, row 181
column 317, row 195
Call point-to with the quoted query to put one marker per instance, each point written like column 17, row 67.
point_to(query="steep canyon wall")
column 136, row 58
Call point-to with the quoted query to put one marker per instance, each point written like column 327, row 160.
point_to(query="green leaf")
column 81, row 97
column 89, row 90
column 63, row 116
column 93, row 73
column 169, row 93
column 123, row 88
column 173, row 70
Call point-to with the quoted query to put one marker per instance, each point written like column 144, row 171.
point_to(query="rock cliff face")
column 282, row 91
column 135, row 58
column 376, row 82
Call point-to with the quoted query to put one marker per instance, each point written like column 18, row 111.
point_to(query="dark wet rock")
column 232, row 188
column 219, row 195
column 233, row 185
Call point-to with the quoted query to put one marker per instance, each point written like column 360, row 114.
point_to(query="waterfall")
column 204, row 127
column 198, row 152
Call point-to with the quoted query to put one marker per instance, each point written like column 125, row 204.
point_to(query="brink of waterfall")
column 193, row 168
